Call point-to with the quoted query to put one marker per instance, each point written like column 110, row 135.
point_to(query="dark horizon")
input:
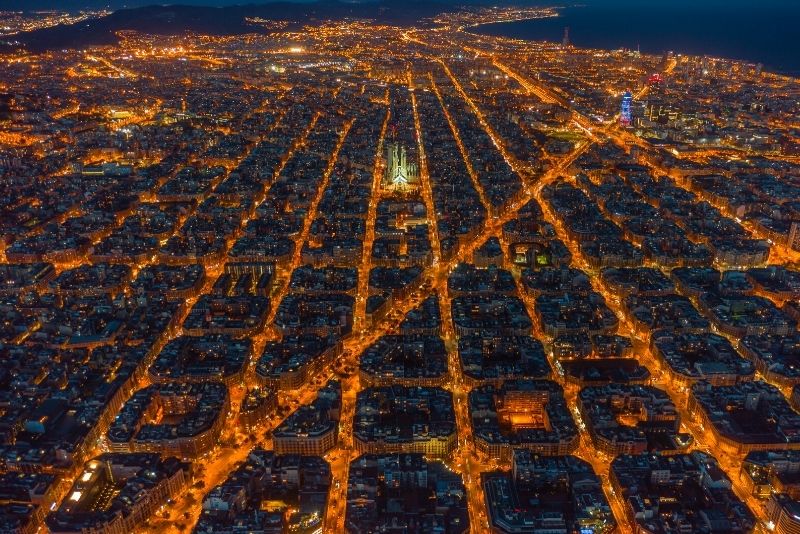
column 68, row 5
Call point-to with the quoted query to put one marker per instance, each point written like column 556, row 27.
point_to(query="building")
column 625, row 114
column 401, row 174
column 529, row 414
column 314, row 428
column 404, row 360
column 783, row 513
column 690, row 357
column 745, row 417
column 269, row 493
column 491, row 359
column 631, row 419
column 203, row 407
column 25, row 499
column 775, row 357
column 258, row 404
column 384, row 490
column 140, row 484
column 291, row 362
column 207, row 358
column 405, row 419
column 689, row 491
column 552, row 494
column 772, row 471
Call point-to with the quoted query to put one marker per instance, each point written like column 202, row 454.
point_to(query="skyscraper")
column 625, row 110
column 565, row 40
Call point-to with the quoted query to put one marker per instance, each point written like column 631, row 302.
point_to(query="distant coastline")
column 743, row 33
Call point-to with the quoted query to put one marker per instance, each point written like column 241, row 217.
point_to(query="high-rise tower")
column 565, row 40
column 625, row 118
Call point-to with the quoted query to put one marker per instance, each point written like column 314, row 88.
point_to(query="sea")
column 766, row 31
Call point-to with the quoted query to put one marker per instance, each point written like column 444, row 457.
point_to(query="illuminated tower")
column 565, row 39
column 400, row 173
column 625, row 110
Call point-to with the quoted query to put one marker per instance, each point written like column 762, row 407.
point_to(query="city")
column 361, row 277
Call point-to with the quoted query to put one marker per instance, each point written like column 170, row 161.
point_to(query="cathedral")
column 400, row 174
